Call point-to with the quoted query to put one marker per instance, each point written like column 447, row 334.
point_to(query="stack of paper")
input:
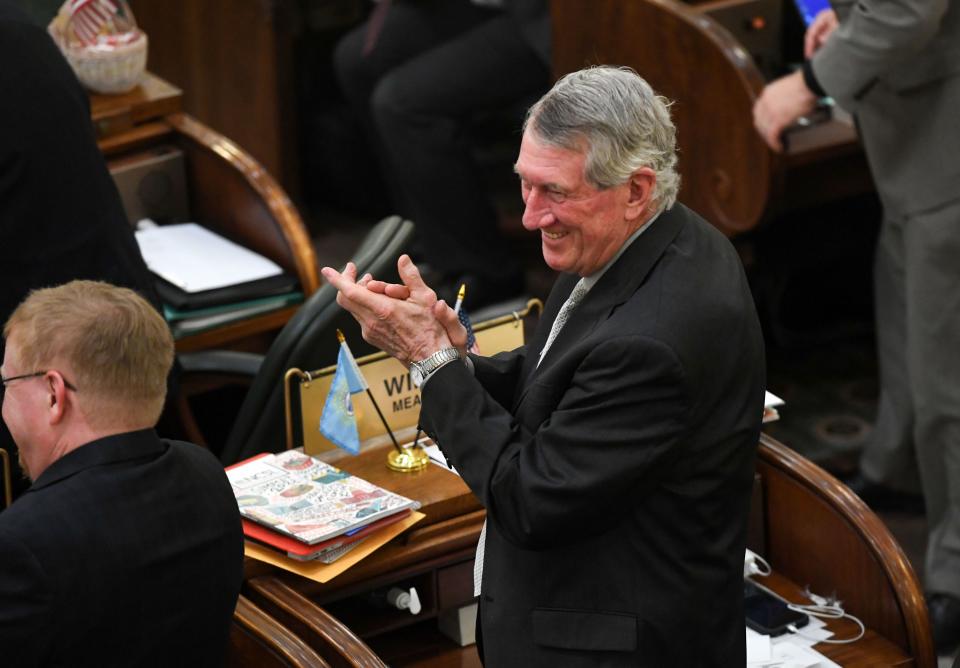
column 789, row 650
column 303, row 509
column 195, row 259
column 205, row 280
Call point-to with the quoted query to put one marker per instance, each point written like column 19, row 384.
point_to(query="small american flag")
column 471, row 337
column 89, row 16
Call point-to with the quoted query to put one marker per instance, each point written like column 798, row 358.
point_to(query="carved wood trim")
column 260, row 181
column 270, row 638
column 326, row 634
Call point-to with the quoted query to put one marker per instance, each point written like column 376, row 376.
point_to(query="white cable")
column 754, row 564
column 822, row 609
column 830, row 641
column 827, row 611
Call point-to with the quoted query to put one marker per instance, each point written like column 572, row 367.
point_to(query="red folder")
column 298, row 550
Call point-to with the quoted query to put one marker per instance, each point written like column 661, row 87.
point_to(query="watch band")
column 435, row 361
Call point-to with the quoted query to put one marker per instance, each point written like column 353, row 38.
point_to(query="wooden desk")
column 797, row 498
column 818, row 533
column 441, row 545
column 870, row 651
column 228, row 191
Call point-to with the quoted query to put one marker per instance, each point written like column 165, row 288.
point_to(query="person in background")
column 126, row 550
column 896, row 67
column 615, row 452
column 415, row 74
column 61, row 217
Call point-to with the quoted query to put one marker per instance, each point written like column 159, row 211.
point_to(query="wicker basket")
column 114, row 70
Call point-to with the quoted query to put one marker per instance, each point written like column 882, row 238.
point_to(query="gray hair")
column 625, row 123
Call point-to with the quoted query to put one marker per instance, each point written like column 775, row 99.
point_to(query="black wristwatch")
column 420, row 371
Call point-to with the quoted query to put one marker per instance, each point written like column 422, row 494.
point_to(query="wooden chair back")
column 820, row 534
column 728, row 174
column 324, row 633
column 232, row 193
column 229, row 191
column 259, row 641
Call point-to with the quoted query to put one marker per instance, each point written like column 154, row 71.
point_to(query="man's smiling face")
column 581, row 227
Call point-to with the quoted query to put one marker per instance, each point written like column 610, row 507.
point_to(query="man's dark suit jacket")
column 617, row 475
column 60, row 215
column 127, row 551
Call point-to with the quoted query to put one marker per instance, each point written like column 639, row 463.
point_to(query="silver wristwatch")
column 420, row 371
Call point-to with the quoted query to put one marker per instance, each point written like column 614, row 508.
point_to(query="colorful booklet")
column 302, row 497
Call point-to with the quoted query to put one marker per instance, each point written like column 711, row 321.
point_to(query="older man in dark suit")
column 127, row 549
column 614, row 453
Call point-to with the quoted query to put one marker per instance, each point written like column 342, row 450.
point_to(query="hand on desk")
column 780, row 104
column 405, row 321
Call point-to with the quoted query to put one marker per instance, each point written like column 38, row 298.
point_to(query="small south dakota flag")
column 338, row 422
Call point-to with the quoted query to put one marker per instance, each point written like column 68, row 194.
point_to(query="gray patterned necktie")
column 576, row 296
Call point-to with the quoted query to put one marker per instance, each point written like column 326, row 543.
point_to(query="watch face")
column 416, row 376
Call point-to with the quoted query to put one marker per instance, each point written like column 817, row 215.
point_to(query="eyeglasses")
column 35, row 374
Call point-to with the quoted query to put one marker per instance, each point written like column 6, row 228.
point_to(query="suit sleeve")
column 873, row 38
column 500, row 374
column 603, row 440
column 25, row 597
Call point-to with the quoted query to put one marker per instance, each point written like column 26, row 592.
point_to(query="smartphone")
column 767, row 614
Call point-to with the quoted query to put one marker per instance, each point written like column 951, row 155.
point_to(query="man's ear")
column 641, row 183
column 56, row 397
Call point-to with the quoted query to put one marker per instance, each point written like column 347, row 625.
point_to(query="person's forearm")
column 870, row 41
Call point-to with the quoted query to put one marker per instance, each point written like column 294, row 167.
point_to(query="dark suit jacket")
column 60, row 215
column 617, row 475
column 127, row 551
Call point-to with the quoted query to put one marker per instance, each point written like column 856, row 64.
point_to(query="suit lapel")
column 616, row 286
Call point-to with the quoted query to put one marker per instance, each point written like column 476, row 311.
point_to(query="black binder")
column 264, row 287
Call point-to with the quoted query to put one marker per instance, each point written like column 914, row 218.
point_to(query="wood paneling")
column 233, row 60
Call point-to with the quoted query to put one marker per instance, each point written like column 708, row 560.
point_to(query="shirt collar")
column 591, row 280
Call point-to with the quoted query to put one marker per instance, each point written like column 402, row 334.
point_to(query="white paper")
column 789, row 650
column 770, row 400
column 806, row 636
column 195, row 259
column 794, row 656
column 758, row 649
column 433, row 452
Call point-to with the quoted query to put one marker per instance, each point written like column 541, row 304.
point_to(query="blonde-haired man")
column 129, row 547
